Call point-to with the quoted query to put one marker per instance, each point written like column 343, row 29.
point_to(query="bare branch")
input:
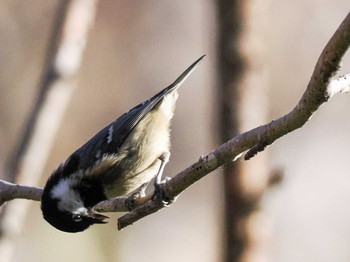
column 144, row 206
column 259, row 138
column 319, row 90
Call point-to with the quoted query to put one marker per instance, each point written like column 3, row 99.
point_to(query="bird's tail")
column 169, row 95
column 179, row 81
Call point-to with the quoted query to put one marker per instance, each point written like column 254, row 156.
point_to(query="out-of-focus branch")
column 241, row 82
column 26, row 163
column 16, row 157
column 62, row 62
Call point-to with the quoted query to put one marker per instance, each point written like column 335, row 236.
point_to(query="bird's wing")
column 110, row 139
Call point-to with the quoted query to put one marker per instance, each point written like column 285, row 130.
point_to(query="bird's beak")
column 97, row 217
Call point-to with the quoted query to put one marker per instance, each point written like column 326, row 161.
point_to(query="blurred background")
column 136, row 48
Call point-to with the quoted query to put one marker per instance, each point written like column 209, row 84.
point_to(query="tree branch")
column 319, row 90
column 10, row 191
column 257, row 139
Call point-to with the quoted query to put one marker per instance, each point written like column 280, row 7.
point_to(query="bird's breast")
column 138, row 158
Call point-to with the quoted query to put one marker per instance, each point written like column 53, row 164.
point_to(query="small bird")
column 121, row 158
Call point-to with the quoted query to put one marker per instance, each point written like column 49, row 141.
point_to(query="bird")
column 120, row 159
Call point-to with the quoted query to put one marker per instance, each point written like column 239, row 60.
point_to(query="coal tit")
column 121, row 158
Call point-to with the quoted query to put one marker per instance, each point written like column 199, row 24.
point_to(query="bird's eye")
column 76, row 217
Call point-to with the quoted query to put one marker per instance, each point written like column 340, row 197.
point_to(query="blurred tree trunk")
column 242, row 105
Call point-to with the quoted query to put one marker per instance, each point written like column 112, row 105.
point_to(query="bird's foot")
column 161, row 195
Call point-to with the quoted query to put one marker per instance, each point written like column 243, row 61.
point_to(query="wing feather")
column 110, row 139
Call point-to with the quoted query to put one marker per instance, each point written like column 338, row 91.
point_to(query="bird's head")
column 67, row 220
column 64, row 206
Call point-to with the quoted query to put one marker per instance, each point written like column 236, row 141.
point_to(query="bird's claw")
column 160, row 194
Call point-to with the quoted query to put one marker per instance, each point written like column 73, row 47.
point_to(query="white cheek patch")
column 61, row 189
column 68, row 199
